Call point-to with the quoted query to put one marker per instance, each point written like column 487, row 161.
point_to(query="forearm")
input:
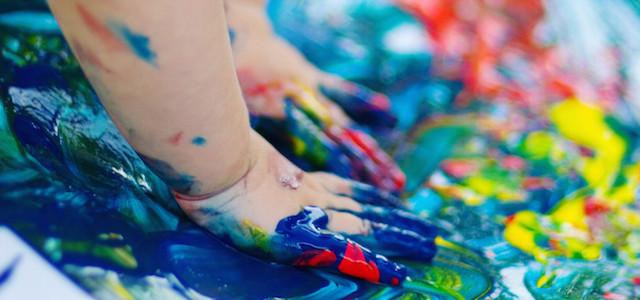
column 164, row 72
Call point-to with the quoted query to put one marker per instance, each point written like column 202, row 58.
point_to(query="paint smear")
column 175, row 139
column 100, row 30
column 199, row 141
column 6, row 274
column 136, row 42
column 118, row 37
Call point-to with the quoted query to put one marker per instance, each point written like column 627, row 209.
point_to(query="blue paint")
column 425, row 201
column 199, row 141
column 232, row 35
column 301, row 233
column 179, row 182
column 359, row 104
column 369, row 194
column 396, row 232
column 33, row 21
column 6, row 274
column 137, row 42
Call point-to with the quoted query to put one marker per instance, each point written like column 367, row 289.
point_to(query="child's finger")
column 303, row 237
column 361, row 192
column 360, row 103
column 385, row 239
column 368, row 170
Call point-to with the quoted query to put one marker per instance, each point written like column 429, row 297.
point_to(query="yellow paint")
column 542, row 281
column 538, row 144
column 481, row 185
column 299, row 147
column 586, row 126
column 257, row 235
column 521, row 233
column 570, row 211
column 305, row 97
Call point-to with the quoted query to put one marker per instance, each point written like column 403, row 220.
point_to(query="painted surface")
column 534, row 195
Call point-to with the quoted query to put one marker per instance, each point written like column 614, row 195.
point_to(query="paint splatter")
column 136, row 42
column 100, row 30
column 118, row 37
column 6, row 274
column 175, row 139
column 199, row 141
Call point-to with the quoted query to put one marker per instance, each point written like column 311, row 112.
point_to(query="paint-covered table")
column 526, row 161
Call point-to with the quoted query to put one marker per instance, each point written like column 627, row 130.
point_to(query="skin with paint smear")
column 181, row 109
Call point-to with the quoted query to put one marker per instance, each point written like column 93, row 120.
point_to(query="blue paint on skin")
column 6, row 274
column 369, row 194
column 199, row 141
column 137, row 42
column 179, row 182
column 232, row 35
column 408, row 237
column 358, row 103
column 300, row 235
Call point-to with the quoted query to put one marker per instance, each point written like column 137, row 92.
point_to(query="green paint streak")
column 257, row 234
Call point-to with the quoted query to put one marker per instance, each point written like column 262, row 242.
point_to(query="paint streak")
column 257, row 234
column 179, row 182
column 100, row 30
column 316, row 258
column 88, row 57
column 136, row 42
column 355, row 264
column 199, row 141
column 6, row 274
column 300, row 236
column 175, row 139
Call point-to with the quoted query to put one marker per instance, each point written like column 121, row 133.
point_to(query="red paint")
column 592, row 206
column 371, row 148
column 636, row 280
column 175, row 139
column 509, row 219
column 614, row 296
column 395, row 281
column 100, row 30
column 316, row 258
column 458, row 168
column 355, row 264
column 513, row 163
column 86, row 56
column 537, row 183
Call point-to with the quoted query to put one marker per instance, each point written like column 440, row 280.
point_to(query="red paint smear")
column 395, row 281
column 316, row 258
column 614, row 296
column 513, row 163
column 175, row 140
column 355, row 264
column 636, row 280
column 458, row 168
column 537, row 183
column 101, row 31
column 509, row 219
column 86, row 56
column 371, row 148
column 593, row 206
